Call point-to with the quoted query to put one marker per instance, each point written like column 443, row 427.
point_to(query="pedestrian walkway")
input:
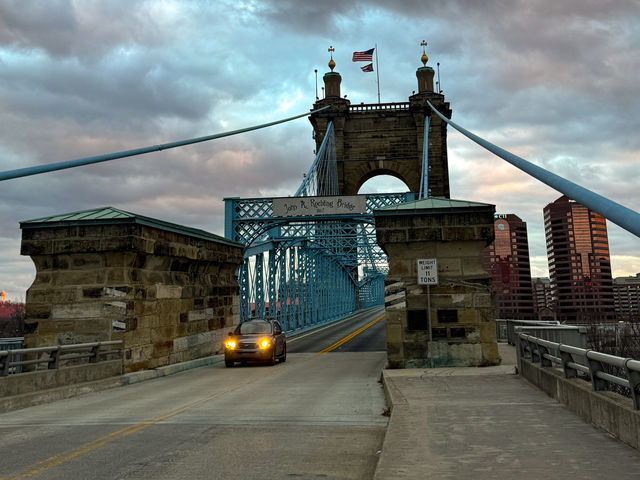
column 489, row 423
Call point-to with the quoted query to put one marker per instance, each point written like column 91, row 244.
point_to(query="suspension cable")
column 52, row 167
column 618, row 214
column 424, row 178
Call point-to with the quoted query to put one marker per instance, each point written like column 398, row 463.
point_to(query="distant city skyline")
column 553, row 82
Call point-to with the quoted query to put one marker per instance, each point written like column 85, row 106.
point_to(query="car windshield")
column 256, row 326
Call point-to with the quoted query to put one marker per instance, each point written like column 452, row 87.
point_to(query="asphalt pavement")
column 316, row 416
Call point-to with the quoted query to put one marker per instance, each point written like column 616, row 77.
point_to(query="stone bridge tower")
column 385, row 138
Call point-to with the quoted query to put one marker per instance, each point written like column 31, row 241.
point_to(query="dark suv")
column 259, row 339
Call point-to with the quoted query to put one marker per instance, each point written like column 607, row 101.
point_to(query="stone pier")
column 459, row 327
column 168, row 291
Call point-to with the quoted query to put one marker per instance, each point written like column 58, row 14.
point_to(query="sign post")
column 428, row 275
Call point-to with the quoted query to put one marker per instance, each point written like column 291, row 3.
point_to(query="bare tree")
column 621, row 339
column 13, row 325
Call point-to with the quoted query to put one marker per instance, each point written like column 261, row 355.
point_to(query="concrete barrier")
column 42, row 386
column 45, row 386
column 607, row 411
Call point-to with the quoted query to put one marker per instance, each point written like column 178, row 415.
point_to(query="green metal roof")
column 113, row 215
column 85, row 215
column 433, row 205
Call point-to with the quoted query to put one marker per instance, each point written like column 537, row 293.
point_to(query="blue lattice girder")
column 316, row 268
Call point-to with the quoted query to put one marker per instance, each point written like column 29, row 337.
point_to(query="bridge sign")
column 427, row 271
column 305, row 206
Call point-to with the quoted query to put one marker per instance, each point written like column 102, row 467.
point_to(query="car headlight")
column 264, row 343
column 230, row 344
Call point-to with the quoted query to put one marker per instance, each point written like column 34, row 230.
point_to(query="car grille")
column 247, row 345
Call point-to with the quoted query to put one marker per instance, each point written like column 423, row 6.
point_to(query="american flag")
column 367, row 68
column 365, row 56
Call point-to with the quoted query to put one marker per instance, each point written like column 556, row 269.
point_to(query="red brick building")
column 507, row 260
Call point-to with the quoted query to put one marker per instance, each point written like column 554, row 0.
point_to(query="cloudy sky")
column 555, row 82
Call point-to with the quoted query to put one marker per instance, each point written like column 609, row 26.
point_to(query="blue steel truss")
column 310, row 269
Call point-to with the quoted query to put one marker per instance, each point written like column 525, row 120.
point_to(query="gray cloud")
column 554, row 82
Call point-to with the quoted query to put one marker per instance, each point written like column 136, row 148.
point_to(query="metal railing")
column 376, row 107
column 12, row 343
column 505, row 327
column 55, row 356
column 574, row 361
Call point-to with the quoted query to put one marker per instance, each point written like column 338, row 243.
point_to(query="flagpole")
column 377, row 73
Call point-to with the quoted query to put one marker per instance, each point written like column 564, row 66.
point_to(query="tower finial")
column 332, row 64
column 424, row 57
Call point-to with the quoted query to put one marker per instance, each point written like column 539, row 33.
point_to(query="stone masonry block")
column 168, row 291
column 394, row 334
column 196, row 315
column 162, row 334
column 483, row 300
column 76, row 310
column 449, row 267
column 472, row 268
column 79, row 277
column 468, row 315
column 425, row 234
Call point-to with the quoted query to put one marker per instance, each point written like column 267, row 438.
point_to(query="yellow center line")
column 351, row 335
column 56, row 460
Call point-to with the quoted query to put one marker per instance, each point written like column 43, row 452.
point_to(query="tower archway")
column 383, row 182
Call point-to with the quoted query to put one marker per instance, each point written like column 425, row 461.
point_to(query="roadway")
column 314, row 416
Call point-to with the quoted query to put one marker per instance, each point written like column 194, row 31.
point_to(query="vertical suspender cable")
column 424, row 178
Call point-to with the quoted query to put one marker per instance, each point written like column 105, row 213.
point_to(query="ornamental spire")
column 424, row 57
column 332, row 64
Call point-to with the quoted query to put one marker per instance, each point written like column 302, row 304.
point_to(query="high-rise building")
column 507, row 260
column 542, row 299
column 626, row 296
column 579, row 263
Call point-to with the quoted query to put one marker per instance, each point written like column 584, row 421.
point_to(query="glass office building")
column 579, row 263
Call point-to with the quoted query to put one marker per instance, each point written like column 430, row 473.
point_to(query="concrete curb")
column 25, row 400
column 392, row 394
column 398, row 414
column 144, row 375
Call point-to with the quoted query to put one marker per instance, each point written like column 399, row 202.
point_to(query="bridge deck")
column 487, row 423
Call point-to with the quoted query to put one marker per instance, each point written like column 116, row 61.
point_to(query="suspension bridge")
column 307, row 259
column 313, row 257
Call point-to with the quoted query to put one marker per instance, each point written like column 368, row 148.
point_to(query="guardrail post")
column 595, row 366
column 566, row 358
column 52, row 364
column 526, row 345
column 5, row 366
column 530, row 346
column 94, row 354
column 535, row 351
column 522, row 347
column 634, row 383
column 544, row 362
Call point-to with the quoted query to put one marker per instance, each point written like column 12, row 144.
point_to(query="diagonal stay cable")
column 618, row 214
column 52, row 167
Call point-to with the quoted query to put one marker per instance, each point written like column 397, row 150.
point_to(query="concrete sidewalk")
column 488, row 423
